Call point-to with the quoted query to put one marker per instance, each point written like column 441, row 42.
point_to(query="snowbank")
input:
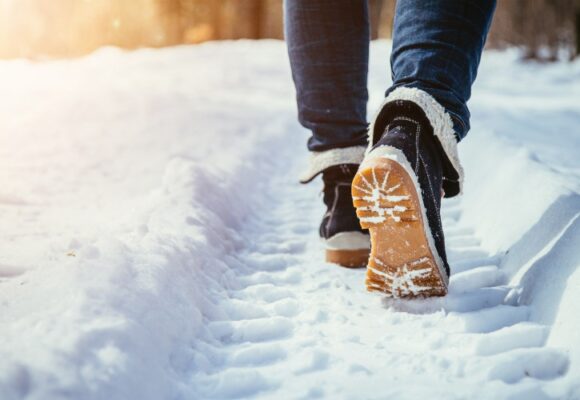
column 526, row 212
column 112, row 301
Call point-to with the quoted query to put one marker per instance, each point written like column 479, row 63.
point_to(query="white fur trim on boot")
column 321, row 160
column 440, row 121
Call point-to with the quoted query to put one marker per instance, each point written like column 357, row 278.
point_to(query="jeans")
column 437, row 46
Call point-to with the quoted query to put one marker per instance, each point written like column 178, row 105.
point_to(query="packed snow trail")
column 305, row 329
column 156, row 245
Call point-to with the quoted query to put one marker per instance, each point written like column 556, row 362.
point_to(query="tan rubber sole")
column 401, row 263
column 348, row 258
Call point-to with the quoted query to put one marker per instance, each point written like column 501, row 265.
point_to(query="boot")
column 397, row 192
column 347, row 244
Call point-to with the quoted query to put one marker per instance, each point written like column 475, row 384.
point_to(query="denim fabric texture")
column 328, row 45
column 437, row 46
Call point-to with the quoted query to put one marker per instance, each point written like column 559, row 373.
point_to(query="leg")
column 328, row 45
column 437, row 47
column 413, row 143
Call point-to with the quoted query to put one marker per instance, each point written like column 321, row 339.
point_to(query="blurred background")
column 546, row 30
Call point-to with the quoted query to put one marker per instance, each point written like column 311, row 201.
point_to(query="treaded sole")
column 348, row 258
column 401, row 263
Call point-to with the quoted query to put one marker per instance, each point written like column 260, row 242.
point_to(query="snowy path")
column 304, row 329
column 155, row 243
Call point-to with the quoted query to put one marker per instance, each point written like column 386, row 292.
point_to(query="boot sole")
column 348, row 258
column 403, row 262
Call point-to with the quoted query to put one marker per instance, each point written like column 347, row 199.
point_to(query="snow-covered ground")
column 155, row 243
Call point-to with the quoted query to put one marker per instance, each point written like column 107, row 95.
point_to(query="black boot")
column 397, row 192
column 347, row 244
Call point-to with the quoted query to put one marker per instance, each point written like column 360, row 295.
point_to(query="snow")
column 155, row 243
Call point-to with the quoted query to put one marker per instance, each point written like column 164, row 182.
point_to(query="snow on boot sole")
column 348, row 249
column 404, row 261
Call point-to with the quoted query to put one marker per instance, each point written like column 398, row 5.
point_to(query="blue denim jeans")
column 437, row 46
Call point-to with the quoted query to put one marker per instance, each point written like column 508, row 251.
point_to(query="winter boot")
column 397, row 192
column 347, row 244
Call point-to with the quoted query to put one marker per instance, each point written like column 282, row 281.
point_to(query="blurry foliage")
column 62, row 28
column 545, row 29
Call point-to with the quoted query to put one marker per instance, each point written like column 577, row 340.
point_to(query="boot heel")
column 348, row 258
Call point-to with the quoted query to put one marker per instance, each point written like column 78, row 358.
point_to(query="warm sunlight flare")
column 36, row 28
column 546, row 29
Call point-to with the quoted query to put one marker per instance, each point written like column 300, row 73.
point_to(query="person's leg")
column 328, row 46
column 437, row 46
column 412, row 154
